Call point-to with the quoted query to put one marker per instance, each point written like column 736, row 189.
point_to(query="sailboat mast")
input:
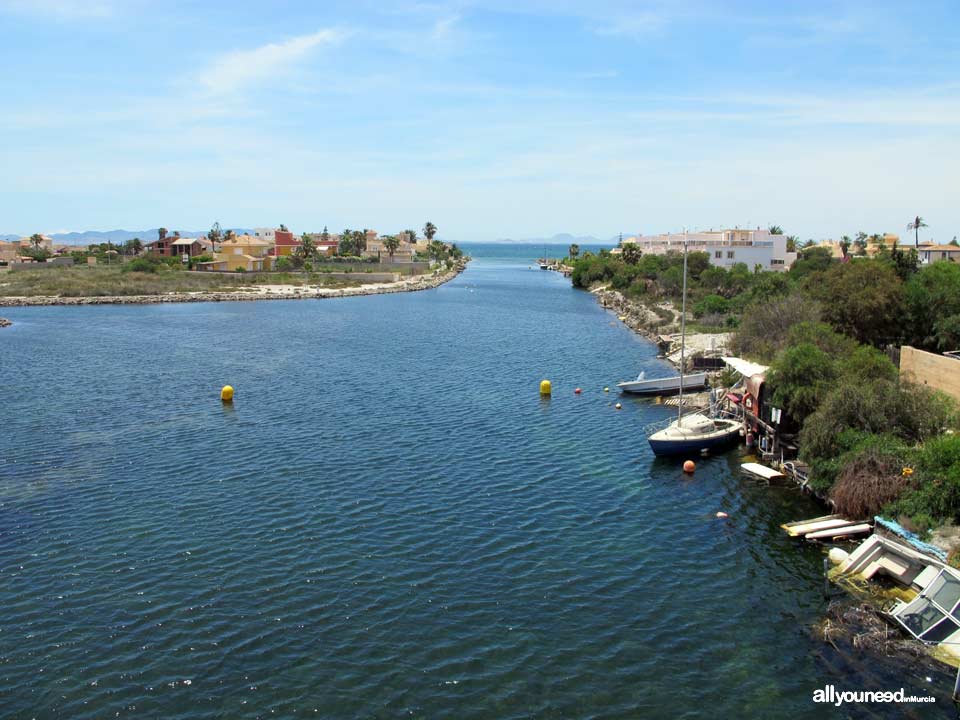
column 683, row 327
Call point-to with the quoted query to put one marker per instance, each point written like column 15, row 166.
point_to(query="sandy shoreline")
column 255, row 292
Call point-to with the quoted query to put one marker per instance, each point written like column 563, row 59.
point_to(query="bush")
column 765, row 325
column 283, row 264
column 240, row 270
column 711, row 305
column 934, row 495
column 147, row 264
column 872, row 477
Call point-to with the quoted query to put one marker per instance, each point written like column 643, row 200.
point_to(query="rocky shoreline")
column 306, row 292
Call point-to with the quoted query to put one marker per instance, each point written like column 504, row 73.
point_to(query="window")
column 718, row 254
column 729, row 254
column 776, row 262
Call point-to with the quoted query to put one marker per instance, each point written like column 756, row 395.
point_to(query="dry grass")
column 867, row 483
column 100, row 281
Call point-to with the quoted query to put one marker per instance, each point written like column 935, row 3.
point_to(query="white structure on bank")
column 725, row 248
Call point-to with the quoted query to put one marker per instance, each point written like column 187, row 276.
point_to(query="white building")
column 266, row 234
column 725, row 248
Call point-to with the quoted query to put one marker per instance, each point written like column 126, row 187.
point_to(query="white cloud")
column 234, row 70
column 443, row 27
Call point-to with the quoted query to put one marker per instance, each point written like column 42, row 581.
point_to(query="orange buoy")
column 689, row 466
column 722, row 515
column 577, row 391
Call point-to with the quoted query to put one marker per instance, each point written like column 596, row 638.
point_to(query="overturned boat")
column 929, row 608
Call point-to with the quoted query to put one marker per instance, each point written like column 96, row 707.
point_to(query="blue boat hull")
column 695, row 446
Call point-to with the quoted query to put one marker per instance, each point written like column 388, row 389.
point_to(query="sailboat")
column 694, row 432
column 543, row 262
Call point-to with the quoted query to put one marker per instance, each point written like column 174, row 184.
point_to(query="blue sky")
column 491, row 118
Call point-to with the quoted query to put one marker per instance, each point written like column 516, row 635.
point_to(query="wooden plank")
column 839, row 532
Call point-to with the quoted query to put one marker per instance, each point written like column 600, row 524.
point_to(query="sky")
column 490, row 118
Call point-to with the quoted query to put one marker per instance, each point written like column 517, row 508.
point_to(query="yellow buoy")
column 226, row 393
column 545, row 387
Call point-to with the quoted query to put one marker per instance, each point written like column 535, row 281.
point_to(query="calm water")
column 389, row 522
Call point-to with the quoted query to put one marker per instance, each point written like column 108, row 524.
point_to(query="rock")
column 5, row 323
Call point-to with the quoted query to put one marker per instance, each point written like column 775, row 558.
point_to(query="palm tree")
column 437, row 250
column 36, row 240
column 391, row 243
column 845, row 245
column 307, row 249
column 631, row 253
column 429, row 230
column 162, row 234
column 214, row 236
column 411, row 235
column 573, row 251
column 775, row 230
column 915, row 226
column 792, row 243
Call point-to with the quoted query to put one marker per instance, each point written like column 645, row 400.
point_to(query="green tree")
column 391, row 243
column 792, row 243
column 631, row 253
column 915, row 225
column 863, row 299
column 325, row 235
column 800, row 379
column 775, row 230
column 411, row 235
column 573, row 251
column 429, row 230
column 860, row 243
column 308, row 247
column 437, row 250
column 347, row 245
column 214, row 236
column 933, row 306
column 845, row 243
column 36, row 242
column 162, row 233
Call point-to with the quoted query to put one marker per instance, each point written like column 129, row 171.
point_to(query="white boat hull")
column 664, row 386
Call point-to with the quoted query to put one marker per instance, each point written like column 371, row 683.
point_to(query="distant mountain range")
column 89, row 237
column 558, row 239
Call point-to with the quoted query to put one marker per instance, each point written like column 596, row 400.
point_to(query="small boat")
column 761, row 471
column 694, row 433
column 663, row 386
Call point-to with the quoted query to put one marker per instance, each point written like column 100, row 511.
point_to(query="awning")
column 745, row 367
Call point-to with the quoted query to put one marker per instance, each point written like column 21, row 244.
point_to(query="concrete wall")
column 937, row 371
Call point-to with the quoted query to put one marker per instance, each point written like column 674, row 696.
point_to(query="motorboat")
column 663, row 386
column 694, row 433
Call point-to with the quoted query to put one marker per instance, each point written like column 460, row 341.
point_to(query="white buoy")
column 838, row 555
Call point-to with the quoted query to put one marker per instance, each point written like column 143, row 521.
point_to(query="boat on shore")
column 663, row 386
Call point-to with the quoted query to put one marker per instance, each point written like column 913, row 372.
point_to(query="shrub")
column 711, row 305
column 147, row 264
column 871, row 478
column 241, row 269
column 765, row 325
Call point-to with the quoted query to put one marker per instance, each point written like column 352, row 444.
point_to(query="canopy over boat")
column 745, row 367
